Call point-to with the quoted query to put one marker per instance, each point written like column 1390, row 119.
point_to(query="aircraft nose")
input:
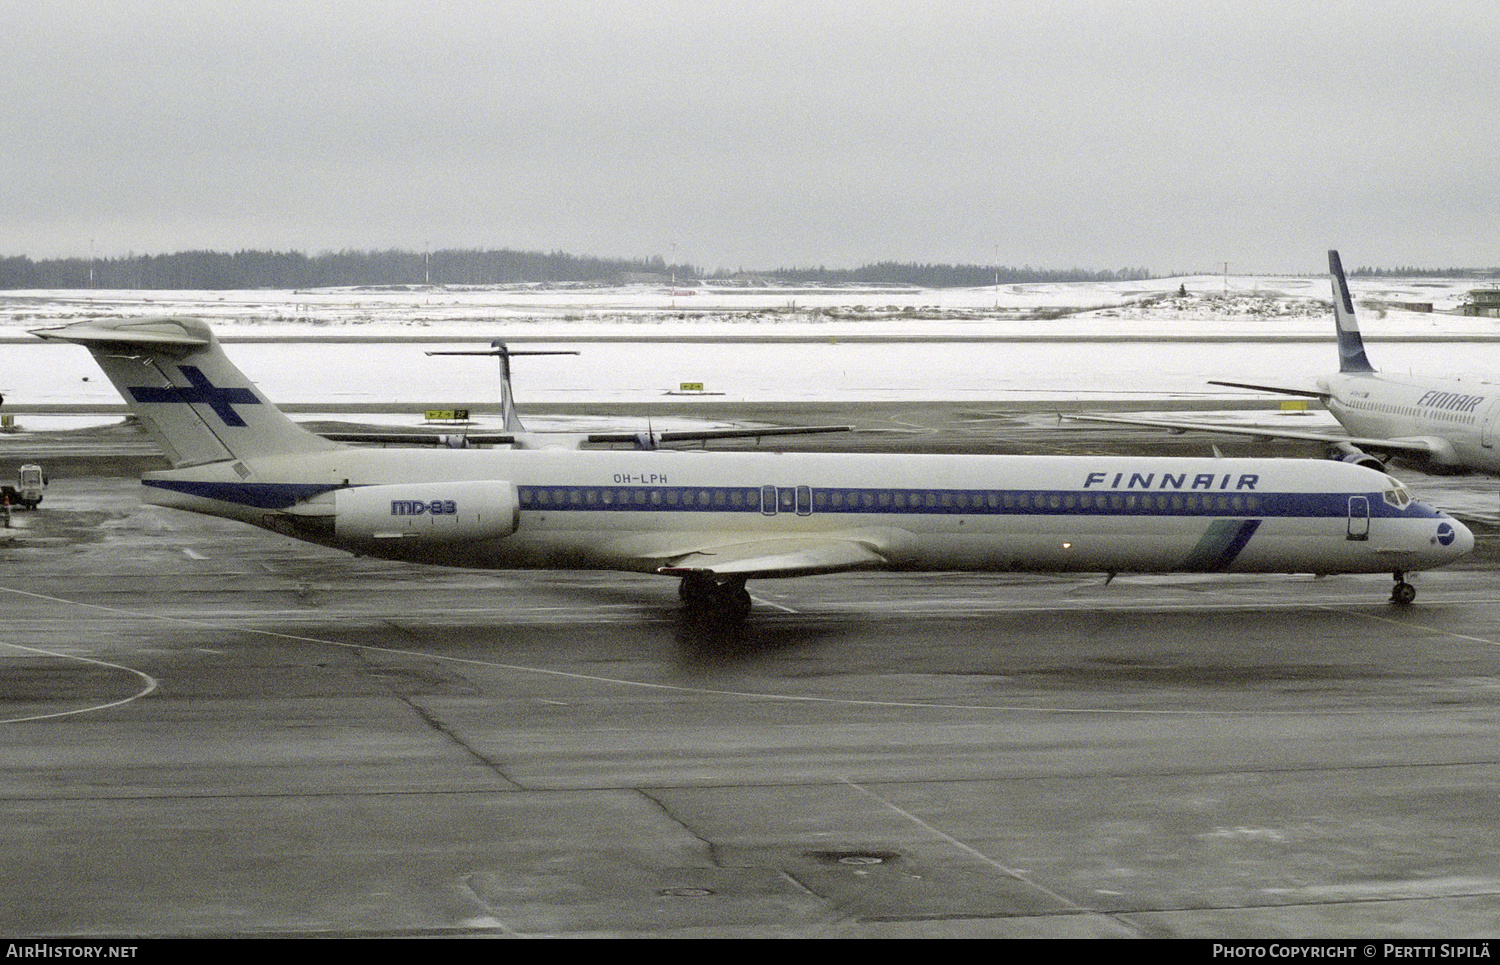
column 1452, row 540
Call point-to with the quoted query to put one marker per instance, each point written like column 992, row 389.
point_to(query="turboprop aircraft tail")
column 193, row 401
column 1351, row 346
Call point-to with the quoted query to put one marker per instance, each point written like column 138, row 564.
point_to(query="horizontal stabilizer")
column 150, row 332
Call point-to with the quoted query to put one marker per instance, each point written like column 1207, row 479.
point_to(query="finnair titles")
column 1172, row 481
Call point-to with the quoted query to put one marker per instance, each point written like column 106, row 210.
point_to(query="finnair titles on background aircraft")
column 1440, row 424
column 717, row 519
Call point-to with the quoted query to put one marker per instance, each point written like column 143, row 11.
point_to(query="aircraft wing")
column 1395, row 447
column 1310, row 392
column 649, row 440
column 799, row 556
column 643, row 440
column 422, row 438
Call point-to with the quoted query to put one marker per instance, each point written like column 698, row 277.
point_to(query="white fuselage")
column 1461, row 419
column 644, row 511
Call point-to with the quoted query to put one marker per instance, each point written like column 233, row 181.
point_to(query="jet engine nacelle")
column 1347, row 452
column 436, row 512
column 1441, row 455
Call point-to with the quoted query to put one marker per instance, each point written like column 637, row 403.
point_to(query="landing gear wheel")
column 736, row 602
column 1403, row 592
column 694, row 590
column 706, row 597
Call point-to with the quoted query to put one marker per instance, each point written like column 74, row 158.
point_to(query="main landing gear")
column 715, row 599
column 1403, row 592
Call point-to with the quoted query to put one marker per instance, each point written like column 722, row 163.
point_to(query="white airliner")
column 1440, row 424
column 717, row 519
column 516, row 435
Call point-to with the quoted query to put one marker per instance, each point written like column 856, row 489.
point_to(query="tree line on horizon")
column 215, row 270
column 249, row 269
column 1409, row 272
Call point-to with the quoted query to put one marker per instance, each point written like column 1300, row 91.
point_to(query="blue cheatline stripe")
column 850, row 501
column 1220, row 545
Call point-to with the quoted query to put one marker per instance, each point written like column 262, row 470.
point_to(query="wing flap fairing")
column 778, row 557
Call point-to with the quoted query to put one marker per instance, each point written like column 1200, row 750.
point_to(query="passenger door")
column 1487, row 420
column 1359, row 517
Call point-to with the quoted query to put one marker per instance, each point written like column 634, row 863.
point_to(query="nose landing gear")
column 1403, row 592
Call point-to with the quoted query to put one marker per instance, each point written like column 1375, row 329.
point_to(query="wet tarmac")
column 214, row 731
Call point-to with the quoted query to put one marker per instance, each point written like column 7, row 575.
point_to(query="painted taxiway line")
column 150, row 684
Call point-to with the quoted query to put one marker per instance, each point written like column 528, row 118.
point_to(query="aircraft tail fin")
column 1351, row 347
column 193, row 401
column 499, row 349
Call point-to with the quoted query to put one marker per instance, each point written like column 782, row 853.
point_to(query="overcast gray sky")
column 1103, row 134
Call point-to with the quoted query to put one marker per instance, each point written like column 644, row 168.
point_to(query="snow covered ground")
column 1213, row 306
column 1086, row 341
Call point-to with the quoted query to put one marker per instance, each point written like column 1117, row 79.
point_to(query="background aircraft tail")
column 187, row 394
column 1351, row 346
column 499, row 349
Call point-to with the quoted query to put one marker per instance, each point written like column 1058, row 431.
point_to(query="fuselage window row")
column 805, row 500
column 1415, row 412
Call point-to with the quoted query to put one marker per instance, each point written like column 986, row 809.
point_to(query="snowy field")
column 1022, row 343
column 1213, row 306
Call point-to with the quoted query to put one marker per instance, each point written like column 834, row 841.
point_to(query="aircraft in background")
column 1442, row 424
column 717, row 519
column 517, row 436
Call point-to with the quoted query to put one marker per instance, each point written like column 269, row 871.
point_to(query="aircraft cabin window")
column 805, row 500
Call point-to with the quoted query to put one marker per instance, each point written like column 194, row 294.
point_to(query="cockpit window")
column 1399, row 496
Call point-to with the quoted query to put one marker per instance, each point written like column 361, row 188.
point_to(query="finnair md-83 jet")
column 717, row 519
column 1441, row 424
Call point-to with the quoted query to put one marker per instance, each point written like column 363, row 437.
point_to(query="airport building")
column 1483, row 301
